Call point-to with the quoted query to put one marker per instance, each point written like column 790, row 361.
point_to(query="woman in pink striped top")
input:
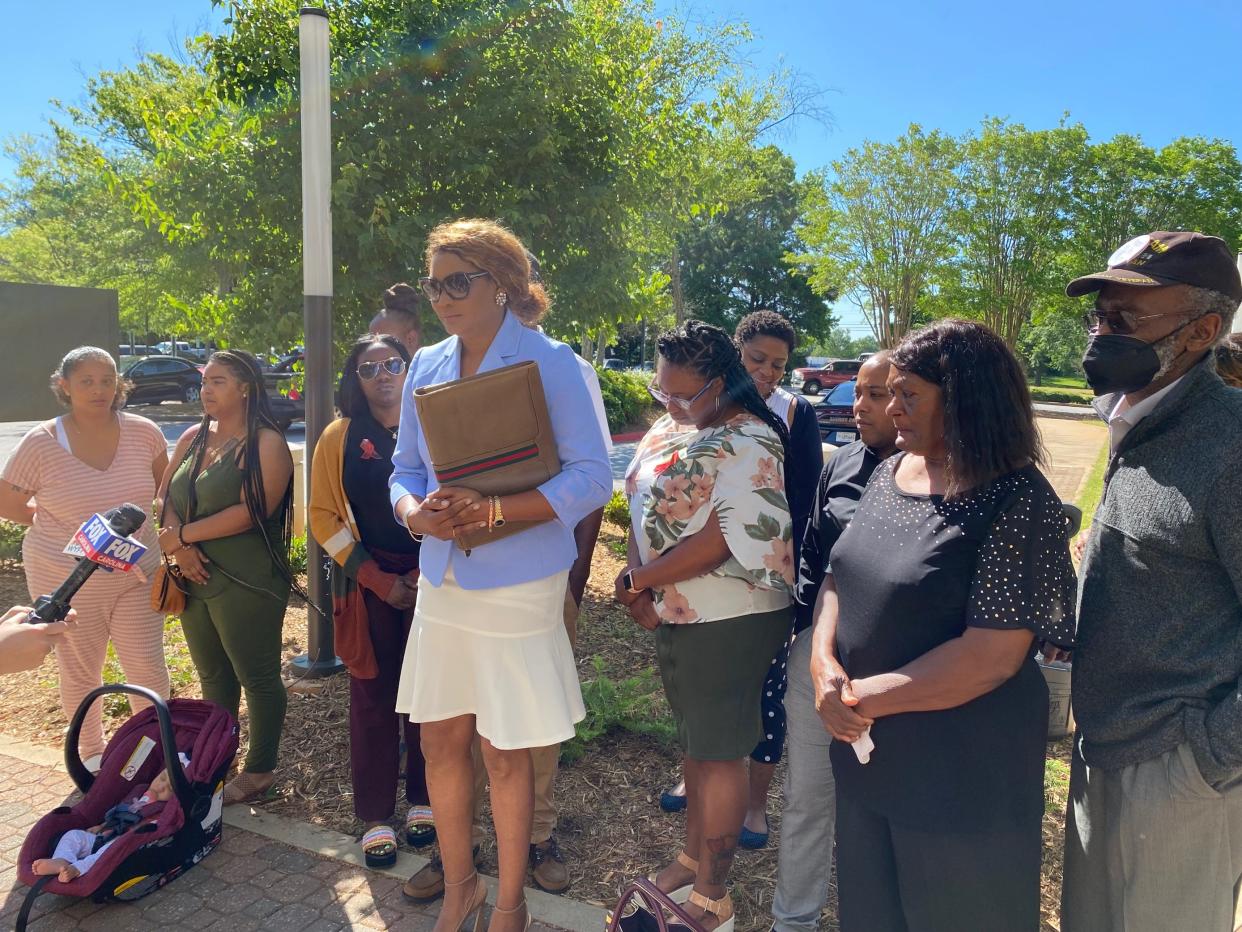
column 63, row 471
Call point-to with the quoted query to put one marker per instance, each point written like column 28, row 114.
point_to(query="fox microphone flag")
column 105, row 540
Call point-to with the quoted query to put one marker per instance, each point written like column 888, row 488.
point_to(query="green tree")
column 572, row 123
column 878, row 230
column 734, row 261
column 1010, row 222
column 1053, row 344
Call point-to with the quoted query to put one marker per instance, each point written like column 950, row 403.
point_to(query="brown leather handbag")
column 168, row 589
column 491, row 433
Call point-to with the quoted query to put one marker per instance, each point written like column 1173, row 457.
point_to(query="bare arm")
column 947, row 676
column 585, row 536
column 276, row 466
column 15, row 503
column 696, row 555
column 834, row 696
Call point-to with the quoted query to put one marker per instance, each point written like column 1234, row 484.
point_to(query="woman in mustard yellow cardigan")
column 374, row 580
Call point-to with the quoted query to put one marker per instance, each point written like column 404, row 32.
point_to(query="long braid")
column 258, row 415
column 711, row 352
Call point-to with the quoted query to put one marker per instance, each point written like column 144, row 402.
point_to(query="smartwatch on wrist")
column 628, row 581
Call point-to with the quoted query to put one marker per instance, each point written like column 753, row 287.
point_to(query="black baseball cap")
column 1168, row 258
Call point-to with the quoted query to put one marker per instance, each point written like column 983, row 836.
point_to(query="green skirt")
column 713, row 674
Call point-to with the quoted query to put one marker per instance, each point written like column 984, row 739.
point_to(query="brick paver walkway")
column 248, row 883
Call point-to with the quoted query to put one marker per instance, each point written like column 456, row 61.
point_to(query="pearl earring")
column 502, row 298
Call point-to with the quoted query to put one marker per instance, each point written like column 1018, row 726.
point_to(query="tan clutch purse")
column 490, row 433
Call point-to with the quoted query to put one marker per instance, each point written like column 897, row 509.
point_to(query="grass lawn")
column 1092, row 487
column 1065, row 381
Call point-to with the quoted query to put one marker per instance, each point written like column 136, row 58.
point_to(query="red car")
column 810, row 380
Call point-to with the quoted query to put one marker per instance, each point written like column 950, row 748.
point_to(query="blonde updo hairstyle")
column 76, row 357
column 494, row 249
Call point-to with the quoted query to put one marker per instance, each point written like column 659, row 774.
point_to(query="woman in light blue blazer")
column 488, row 652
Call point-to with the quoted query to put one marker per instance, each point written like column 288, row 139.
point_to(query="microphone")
column 105, row 541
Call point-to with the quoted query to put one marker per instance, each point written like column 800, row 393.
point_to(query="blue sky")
column 1159, row 70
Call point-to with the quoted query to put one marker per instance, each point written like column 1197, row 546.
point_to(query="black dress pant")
column 891, row 878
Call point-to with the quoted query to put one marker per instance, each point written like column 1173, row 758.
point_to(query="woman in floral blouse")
column 710, row 570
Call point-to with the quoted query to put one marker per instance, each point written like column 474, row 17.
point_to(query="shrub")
column 633, row 704
column 1061, row 395
column 11, row 542
column 617, row 511
column 297, row 556
column 625, row 396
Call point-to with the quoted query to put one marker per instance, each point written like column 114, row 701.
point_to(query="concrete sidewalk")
column 273, row 874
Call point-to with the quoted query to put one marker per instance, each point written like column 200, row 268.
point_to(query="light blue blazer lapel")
column 505, row 345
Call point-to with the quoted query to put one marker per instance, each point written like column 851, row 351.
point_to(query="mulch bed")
column 611, row 827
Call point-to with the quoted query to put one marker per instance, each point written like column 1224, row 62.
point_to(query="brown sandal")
column 248, row 787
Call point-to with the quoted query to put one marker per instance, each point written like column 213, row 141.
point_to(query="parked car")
column 810, row 380
column 614, row 365
column 286, row 408
column 133, row 349
column 288, row 405
column 835, row 415
column 163, row 378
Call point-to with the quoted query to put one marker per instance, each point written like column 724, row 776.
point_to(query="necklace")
column 214, row 454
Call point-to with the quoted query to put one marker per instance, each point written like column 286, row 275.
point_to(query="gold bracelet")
column 500, row 514
column 491, row 512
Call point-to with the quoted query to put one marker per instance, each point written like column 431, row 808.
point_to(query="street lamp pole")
column 320, row 658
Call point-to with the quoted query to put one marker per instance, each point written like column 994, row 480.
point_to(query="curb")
column 559, row 911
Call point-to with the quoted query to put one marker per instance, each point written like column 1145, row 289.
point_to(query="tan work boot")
column 547, row 866
column 428, row 884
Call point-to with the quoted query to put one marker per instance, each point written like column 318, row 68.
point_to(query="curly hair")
column 989, row 423
column 1229, row 359
column 766, row 324
column 709, row 351
column 352, row 400
column 73, row 359
column 493, row 248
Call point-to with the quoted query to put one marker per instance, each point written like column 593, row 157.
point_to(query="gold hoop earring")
column 502, row 298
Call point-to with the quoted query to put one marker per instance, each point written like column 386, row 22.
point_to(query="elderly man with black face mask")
column 1154, row 834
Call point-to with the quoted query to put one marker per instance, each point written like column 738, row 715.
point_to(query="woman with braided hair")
column 710, row 570
column 229, row 488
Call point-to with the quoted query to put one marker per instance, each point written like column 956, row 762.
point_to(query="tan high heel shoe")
column 477, row 901
column 510, row 912
column 722, row 909
column 682, row 893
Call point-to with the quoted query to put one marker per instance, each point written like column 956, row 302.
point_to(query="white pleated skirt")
column 501, row 655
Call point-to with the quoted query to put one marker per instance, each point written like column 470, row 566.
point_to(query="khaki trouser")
column 544, row 761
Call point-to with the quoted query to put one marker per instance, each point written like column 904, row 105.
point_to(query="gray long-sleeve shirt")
column 1159, row 643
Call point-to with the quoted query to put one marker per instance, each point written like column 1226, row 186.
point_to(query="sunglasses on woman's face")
column 456, row 286
column 685, row 404
column 393, row 365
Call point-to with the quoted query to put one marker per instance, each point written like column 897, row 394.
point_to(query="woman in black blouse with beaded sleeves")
column 955, row 564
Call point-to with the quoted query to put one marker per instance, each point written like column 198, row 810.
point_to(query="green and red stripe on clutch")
column 474, row 468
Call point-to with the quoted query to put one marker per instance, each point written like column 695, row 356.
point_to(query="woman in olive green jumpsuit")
column 229, row 493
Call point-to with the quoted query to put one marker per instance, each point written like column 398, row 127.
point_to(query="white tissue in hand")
column 864, row 746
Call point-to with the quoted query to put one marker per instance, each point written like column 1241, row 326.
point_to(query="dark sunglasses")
column 1121, row 322
column 456, row 286
column 393, row 365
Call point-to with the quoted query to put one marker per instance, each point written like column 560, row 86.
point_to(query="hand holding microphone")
column 23, row 646
column 104, row 540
